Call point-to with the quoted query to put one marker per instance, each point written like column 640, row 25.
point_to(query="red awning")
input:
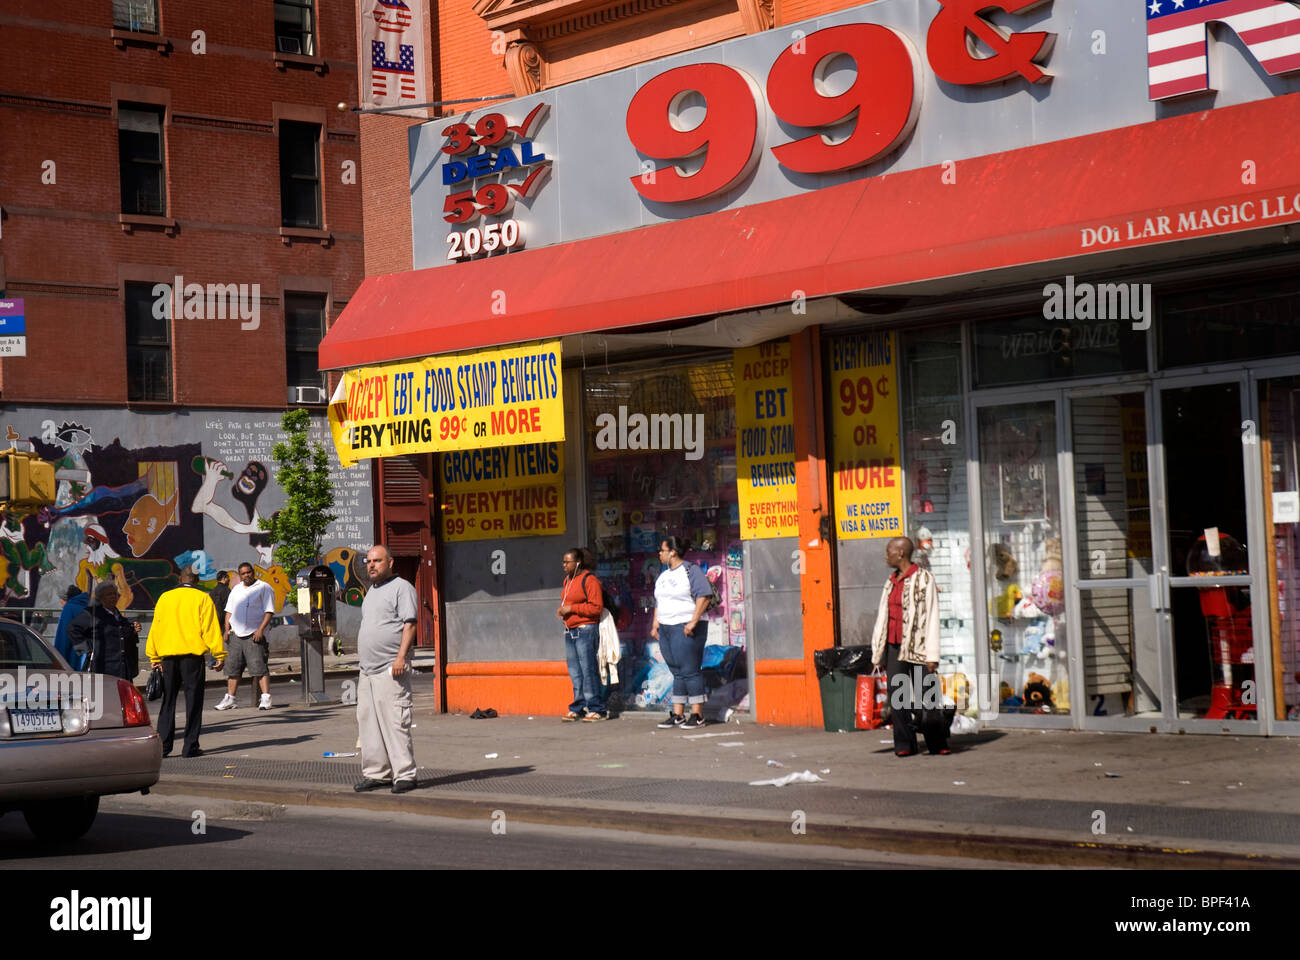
column 1031, row 205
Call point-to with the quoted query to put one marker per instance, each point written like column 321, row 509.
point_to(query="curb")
column 1027, row 850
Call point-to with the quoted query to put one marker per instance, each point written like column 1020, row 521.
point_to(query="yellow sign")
column 864, row 437
column 458, row 401
column 503, row 492
column 765, row 483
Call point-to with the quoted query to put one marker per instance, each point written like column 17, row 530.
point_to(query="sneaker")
column 227, row 703
column 672, row 720
column 265, row 702
column 693, row 721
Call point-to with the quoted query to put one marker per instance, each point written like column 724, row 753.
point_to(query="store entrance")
column 1209, row 606
column 1130, row 607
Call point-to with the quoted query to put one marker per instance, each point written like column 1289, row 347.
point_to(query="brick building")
column 149, row 140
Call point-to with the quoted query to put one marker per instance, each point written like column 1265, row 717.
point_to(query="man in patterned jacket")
column 905, row 642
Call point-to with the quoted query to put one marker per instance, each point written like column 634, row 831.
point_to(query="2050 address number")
column 489, row 238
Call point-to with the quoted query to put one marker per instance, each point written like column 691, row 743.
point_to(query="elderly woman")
column 107, row 636
column 682, row 594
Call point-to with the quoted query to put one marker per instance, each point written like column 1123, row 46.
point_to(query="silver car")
column 67, row 738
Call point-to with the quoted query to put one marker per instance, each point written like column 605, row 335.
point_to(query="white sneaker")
column 265, row 702
column 227, row 703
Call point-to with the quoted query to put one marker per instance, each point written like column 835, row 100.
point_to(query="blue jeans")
column 580, row 646
column 684, row 653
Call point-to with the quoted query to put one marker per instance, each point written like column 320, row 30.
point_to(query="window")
column 140, row 159
column 304, row 326
column 141, row 16
column 294, row 27
column 299, row 174
column 148, row 346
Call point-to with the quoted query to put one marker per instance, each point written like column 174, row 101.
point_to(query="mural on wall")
column 139, row 496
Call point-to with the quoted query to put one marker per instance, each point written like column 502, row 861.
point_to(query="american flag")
column 403, row 70
column 1177, row 41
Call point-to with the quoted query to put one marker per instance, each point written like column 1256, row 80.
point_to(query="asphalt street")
column 162, row 832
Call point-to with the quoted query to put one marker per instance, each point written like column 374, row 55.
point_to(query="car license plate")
column 35, row 721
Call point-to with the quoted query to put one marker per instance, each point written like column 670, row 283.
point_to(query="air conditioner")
column 288, row 44
column 306, row 395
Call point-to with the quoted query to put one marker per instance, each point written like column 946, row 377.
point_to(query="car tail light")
column 134, row 711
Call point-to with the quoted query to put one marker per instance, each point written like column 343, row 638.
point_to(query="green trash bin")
column 837, row 675
column 839, row 701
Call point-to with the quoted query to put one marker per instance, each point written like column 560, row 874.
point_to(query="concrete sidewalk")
column 1033, row 797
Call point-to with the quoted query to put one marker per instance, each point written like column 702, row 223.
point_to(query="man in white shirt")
column 248, row 611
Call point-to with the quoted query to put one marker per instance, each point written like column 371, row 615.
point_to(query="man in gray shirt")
column 388, row 617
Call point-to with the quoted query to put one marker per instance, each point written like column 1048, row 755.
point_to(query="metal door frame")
column 1077, row 584
column 987, row 685
column 1252, row 483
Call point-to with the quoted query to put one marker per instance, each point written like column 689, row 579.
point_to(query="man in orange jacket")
column 184, row 631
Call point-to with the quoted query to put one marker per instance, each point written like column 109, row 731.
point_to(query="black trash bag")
column 850, row 661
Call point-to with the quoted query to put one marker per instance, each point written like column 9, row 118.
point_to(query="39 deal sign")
column 460, row 401
column 864, row 404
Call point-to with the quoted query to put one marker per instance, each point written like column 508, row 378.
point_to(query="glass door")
column 1209, row 441
column 1115, row 596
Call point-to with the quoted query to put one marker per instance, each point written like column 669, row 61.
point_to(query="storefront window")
column 1022, row 536
column 934, row 469
column 1033, row 349
column 661, row 461
column 1240, row 322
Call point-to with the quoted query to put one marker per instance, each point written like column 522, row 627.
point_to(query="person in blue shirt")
column 75, row 600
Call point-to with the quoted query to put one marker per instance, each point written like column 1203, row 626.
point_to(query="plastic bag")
column 851, row 661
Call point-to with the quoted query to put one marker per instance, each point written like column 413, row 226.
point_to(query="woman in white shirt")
column 682, row 594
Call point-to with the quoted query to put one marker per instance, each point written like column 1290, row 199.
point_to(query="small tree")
column 297, row 530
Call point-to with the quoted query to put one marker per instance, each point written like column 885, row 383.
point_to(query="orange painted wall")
column 530, row 688
column 792, row 11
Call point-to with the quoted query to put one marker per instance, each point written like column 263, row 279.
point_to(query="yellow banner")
column 459, row 401
column 503, row 492
column 865, row 437
column 765, row 484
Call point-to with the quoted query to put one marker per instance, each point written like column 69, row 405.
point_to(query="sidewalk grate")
column 1193, row 823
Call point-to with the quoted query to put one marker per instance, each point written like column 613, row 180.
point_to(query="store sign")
column 460, row 401
column 491, row 149
column 1178, row 40
column 870, row 91
column 501, row 492
column 866, row 476
column 765, row 478
column 13, row 328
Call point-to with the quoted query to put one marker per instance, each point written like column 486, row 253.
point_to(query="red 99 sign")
column 883, row 103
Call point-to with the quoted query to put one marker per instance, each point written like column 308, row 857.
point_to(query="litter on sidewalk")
column 806, row 776
column 331, row 753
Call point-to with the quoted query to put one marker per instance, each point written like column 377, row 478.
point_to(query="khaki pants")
column 384, row 723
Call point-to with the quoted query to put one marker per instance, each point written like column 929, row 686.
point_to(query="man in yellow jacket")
column 184, row 630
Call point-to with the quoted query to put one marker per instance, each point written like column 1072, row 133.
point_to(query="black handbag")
column 153, row 688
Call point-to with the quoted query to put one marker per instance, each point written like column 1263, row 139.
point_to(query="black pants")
column 910, row 688
column 184, row 670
